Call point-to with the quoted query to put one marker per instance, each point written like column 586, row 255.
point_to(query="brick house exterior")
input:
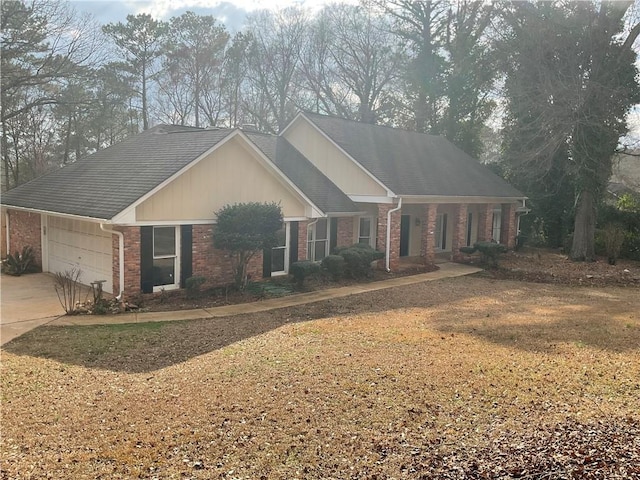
column 332, row 178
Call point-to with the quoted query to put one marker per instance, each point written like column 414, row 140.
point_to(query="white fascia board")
column 57, row 214
column 355, row 162
column 345, row 214
column 370, row 199
column 459, row 199
column 156, row 223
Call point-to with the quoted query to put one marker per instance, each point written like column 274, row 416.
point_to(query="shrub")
column 244, row 229
column 334, row 264
column 193, row 284
column 358, row 259
column 20, row 263
column 303, row 269
column 68, row 288
column 489, row 252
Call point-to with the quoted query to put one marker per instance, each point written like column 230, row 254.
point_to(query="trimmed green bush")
column 334, row 264
column 303, row 269
column 358, row 259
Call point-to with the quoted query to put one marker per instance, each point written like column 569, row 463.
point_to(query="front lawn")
column 463, row 378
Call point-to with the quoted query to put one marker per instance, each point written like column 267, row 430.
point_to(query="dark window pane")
column 164, row 241
column 321, row 229
column 277, row 260
column 163, row 271
column 320, row 250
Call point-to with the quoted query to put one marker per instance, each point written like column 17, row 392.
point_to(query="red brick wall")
column 216, row 265
column 131, row 260
column 24, row 230
column 508, row 227
column 345, row 231
column 302, row 240
column 459, row 231
column 428, row 236
column 394, row 251
column 485, row 222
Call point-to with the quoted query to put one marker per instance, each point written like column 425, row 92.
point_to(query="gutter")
column 388, row 244
column 120, row 259
column 6, row 217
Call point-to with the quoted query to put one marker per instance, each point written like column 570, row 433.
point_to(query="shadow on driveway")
column 525, row 316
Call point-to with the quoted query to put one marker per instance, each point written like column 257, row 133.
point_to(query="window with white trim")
column 469, row 228
column 280, row 253
column 318, row 240
column 366, row 231
column 497, row 225
column 165, row 258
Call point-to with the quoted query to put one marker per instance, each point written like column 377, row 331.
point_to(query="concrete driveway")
column 25, row 303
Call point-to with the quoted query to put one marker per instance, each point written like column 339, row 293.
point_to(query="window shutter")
column 186, row 254
column 293, row 240
column 146, row 259
column 333, row 235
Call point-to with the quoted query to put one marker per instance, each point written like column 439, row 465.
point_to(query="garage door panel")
column 81, row 245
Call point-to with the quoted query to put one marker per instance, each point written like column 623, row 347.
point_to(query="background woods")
column 540, row 90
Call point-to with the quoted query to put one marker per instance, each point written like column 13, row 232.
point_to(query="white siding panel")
column 79, row 244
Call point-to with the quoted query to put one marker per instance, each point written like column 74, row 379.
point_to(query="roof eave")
column 57, row 214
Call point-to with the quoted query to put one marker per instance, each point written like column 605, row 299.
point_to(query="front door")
column 405, row 224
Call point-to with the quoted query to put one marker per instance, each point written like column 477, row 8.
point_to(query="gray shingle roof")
column 103, row 184
column 410, row 163
column 317, row 187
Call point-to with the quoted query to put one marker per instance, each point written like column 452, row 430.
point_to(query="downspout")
column 387, row 260
column 6, row 224
column 120, row 259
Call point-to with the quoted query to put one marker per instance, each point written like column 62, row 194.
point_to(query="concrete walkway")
column 447, row 270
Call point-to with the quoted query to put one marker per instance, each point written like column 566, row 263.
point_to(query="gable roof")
column 313, row 183
column 410, row 163
column 103, row 184
column 107, row 182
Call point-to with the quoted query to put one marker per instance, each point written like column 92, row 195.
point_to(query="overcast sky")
column 231, row 13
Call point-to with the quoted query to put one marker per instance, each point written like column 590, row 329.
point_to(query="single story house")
column 140, row 214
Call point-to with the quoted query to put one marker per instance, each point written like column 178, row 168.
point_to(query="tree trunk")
column 583, row 247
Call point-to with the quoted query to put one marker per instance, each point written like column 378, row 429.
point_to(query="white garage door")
column 74, row 243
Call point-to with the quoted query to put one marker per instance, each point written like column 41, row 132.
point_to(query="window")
column 165, row 258
column 497, row 225
column 318, row 240
column 469, row 228
column 441, row 231
column 280, row 253
column 365, row 232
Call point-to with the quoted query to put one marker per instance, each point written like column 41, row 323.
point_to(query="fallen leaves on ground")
column 466, row 378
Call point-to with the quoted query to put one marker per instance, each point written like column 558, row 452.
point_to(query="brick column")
column 131, row 260
column 508, row 227
column 428, row 235
column 24, row 231
column 459, row 231
column 345, row 231
column 394, row 251
column 302, row 240
column 485, row 222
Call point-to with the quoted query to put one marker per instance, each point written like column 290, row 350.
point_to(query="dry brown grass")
column 464, row 378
